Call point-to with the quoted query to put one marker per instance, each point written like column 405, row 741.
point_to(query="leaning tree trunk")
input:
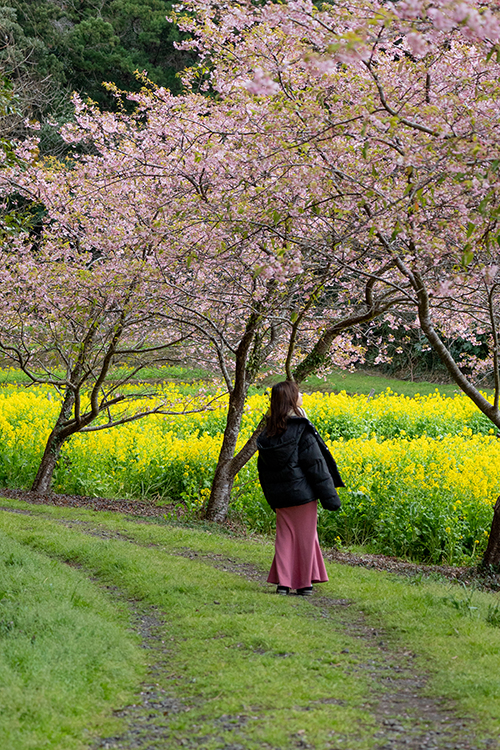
column 491, row 556
column 225, row 472
column 491, row 410
column 51, row 454
column 57, row 437
column 228, row 471
column 222, row 484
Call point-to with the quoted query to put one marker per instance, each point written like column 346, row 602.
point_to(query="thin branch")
column 148, row 349
column 394, row 113
column 494, row 330
column 140, row 415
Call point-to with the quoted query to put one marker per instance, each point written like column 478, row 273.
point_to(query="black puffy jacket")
column 297, row 467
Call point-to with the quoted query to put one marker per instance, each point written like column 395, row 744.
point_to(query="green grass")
column 167, row 372
column 66, row 657
column 152, row 374
column 362, row 382
column 351, row 382
column 236, row 649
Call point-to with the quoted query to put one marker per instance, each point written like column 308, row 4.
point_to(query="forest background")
column 50, row 49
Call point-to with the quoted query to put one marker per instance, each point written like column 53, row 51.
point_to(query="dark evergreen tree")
column 81, row 43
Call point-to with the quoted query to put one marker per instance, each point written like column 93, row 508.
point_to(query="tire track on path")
column 408, row 717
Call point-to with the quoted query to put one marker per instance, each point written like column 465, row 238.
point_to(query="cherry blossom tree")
column 390, row 96
column 410, row 90
column 77, row 302
column 238, row 243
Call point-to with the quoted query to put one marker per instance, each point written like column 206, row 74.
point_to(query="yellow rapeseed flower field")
column 421, row 473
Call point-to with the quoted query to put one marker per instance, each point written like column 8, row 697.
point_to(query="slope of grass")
column 247, row 652
column 66, row 657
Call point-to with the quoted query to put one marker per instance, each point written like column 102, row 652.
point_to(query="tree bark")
column 491, row 556
column 52, row 451
column 51, row 454
column 225, row 473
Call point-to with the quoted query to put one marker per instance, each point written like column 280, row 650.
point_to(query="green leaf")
column 467, row 257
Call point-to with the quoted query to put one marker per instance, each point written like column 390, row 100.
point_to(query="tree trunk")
column 492, row 554
column 43, row 479
column 225, row 472
column 52, row 451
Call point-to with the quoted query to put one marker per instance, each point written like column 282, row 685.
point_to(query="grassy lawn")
column 362, row 382
column 340, row 380
column 294, row 669
column 66, row 655
column 369, row 382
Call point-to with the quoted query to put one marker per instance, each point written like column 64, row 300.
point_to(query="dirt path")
column 407, row 717
column 137, row 510
column 146, row 721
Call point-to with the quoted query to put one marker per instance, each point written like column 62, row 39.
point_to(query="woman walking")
column 296, row 469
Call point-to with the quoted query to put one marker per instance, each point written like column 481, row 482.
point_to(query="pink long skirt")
column 298, row 561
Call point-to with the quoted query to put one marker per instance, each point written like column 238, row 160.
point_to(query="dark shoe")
column 283, row 590
column 307, row 591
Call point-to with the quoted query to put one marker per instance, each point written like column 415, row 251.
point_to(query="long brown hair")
column 284, row 397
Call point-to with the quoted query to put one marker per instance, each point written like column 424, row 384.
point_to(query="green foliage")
column 37, row 79
column 25, row 51
column 8, row 106
column 410, row 354
column 464, row 604
column 493, row 615
column 11, row 220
